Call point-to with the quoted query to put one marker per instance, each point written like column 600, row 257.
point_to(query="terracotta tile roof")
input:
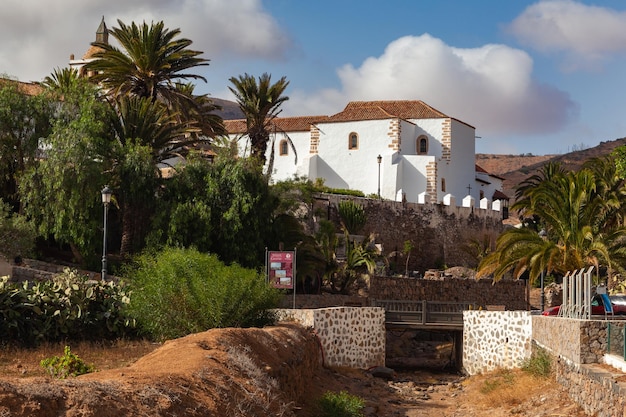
column 92, row 51
column 285, row 124
column 480, row 169
column 31, row 89
column 499, row 195
column 375, row 110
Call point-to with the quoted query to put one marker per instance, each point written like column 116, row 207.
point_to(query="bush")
column 342, row 404
column 68, row 306
column 67, row 365
column 539, row 364
column 181, row 291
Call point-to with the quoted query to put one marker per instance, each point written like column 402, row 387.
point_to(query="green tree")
column 17, row 234
column 570, row 208
column 24, row 119
column 260, row 103
column 225, row 208
column 61, row 192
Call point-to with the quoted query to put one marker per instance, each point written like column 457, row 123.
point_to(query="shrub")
column 539, row 364
column 67, row 365
column 342, row 404
column 181, row 291
column 68, row 306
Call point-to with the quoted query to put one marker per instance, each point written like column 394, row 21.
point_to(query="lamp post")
column 542, row 302
column 106, row 200
column 380, row 159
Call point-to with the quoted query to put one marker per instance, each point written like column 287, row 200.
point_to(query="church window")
column 353, row 141
column 482, row 194
column 443, row 185
column 422, row 145
column 284, row 147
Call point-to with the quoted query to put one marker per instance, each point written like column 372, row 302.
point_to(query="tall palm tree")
column 149, row 63
column 145, row 133
column 260, row 103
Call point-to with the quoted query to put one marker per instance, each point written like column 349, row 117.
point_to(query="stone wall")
column 579, row 341
column 349, row 336
column 508, row 293
column 593, row 388
column 441, row 234
column 495, row 339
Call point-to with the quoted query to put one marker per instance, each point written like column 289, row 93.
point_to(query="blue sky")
column 538, row 77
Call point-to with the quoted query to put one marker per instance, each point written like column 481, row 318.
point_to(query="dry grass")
column 21, row 363
column 505, row 388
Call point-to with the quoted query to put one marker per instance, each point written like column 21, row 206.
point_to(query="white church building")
column 401, row 150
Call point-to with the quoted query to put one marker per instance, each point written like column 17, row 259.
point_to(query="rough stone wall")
column 349, row 336
column 495, row 339
column 507, row 293
column 579, row 341
column 593, row 388
column 442, row 235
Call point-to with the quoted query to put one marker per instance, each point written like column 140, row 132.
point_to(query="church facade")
column 401, row 150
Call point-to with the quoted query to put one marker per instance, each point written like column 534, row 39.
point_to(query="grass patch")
column 539, row 364
column 340, row 404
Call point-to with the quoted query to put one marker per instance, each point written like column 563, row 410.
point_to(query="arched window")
column 353, row 141
column 284, row 147
column 443, row 185
column 482, row 194
column 422, row 145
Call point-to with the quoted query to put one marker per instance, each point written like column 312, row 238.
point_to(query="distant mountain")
column 516, row 168
column 230, row 109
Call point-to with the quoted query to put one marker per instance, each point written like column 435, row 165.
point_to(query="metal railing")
column 424, row 312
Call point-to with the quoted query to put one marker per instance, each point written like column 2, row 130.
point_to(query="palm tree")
column 145, row 133
column 571, row 208
column 148, row 65
column 62, row 80
column 260, row 102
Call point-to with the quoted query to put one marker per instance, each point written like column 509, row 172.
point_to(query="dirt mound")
column 234, row 372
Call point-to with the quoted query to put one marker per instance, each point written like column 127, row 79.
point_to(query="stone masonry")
column 349, row 336
column 495, row 339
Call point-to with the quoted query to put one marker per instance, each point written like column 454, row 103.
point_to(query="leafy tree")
column 24, row 119
column 61, row 193
column 260, row 103
column 224, row 208
column 17, row 234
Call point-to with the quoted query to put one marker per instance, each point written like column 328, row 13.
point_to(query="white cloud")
column 490, row 87
column 37, row 38
column 587, row 35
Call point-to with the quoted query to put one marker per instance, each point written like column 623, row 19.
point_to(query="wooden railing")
column 424, row 313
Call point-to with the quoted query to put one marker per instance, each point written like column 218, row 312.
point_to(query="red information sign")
column 280, row 269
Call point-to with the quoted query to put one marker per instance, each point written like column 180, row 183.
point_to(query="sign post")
column 281, row 271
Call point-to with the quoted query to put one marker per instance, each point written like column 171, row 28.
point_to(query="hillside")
column 516, row 168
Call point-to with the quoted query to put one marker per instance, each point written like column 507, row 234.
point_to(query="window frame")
column 350, row 144
column 418, row 145
column 283, row 143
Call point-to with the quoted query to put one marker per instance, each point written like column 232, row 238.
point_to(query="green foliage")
column 341, row 404
column 67, row 365
column 24, row 119
column 65, row 307
column 352, row 216
column 225, row 208
column 181, row 291
column 582, row 214
column 17, row 234
column 539, row 364
column 61, row 193
column 408, row 247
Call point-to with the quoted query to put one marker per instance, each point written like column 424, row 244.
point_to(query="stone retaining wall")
column 579, row 341
column 593, row 387
column 349, row 336
column 495, row 339
column 508, row 293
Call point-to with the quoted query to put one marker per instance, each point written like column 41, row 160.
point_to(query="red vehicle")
column 597, row 306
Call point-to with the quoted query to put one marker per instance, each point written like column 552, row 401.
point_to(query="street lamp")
column 106, row 200
column 542, row 234
column 380, row 159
